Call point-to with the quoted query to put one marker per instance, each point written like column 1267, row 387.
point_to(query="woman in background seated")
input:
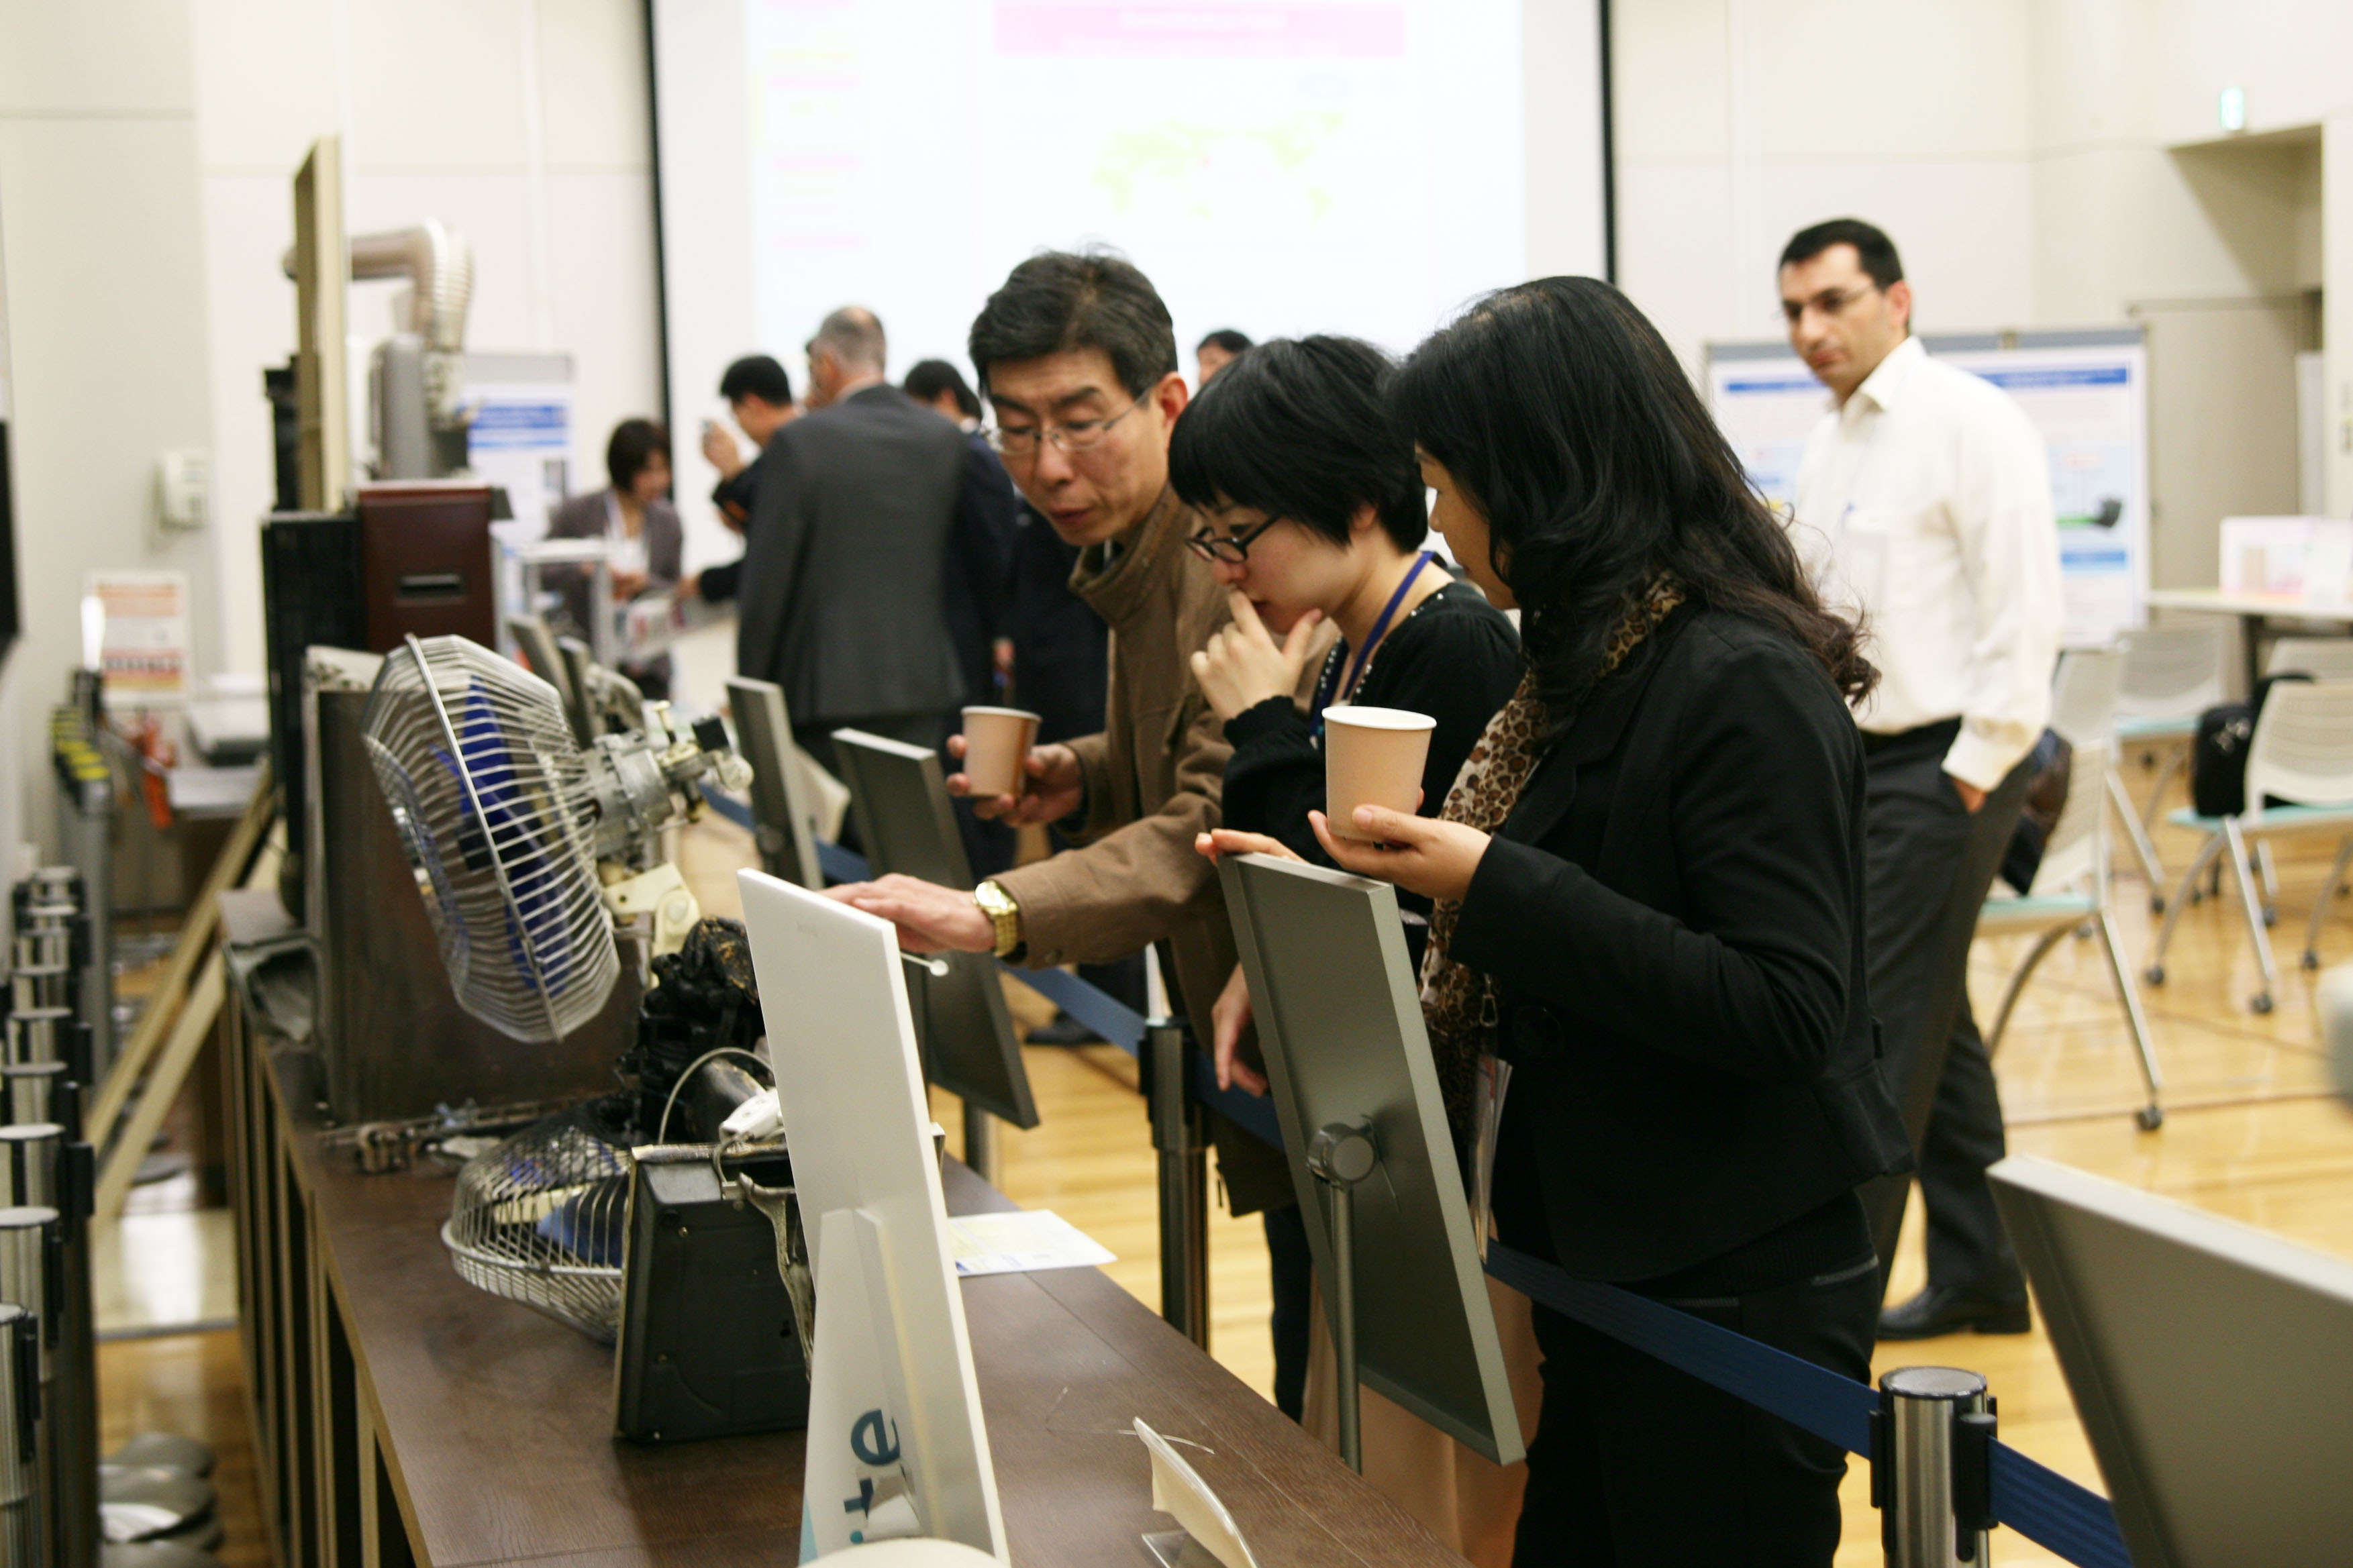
column 1315, row 515
column 640, row 529
column 1648, row 889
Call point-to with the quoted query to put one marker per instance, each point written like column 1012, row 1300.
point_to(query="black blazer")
column 839, row 601
column 1674, row 914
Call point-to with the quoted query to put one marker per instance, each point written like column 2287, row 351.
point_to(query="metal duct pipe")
column 439, row 267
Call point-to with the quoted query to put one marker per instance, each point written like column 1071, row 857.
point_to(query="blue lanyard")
column 1325, row 694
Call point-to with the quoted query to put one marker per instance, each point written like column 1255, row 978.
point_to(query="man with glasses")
column 1076, row 356
column 841, row 595
column 1923, row 504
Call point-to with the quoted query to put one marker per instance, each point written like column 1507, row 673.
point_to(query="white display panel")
column 893, row 1402
column 1279, row 166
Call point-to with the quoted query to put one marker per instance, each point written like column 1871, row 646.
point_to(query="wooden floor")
column 2252, row 1133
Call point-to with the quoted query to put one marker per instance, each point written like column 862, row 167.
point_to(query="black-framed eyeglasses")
column 1829, row 301
column 1233, row 549
column 1078, row 436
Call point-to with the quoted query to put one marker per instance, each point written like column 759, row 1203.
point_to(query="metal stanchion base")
column 163, row 1451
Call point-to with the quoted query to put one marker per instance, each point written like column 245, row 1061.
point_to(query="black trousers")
column 1636, row 1465
column 1929, row 862
column 1291, row 1265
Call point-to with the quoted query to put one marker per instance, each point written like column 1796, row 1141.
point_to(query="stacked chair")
column 2070, row 891
column 2299, row 783
column 2170, row 676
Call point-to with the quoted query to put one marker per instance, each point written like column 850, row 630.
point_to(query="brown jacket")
column 1153, row 778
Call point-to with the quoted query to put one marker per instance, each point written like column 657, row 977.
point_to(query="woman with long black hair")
column 1648, row 897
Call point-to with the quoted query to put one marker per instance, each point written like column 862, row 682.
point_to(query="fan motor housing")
column 708, row 1345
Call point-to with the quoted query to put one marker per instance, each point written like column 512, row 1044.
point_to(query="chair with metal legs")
column 2071, row 891
column 2171, row 675
column 2299, row 782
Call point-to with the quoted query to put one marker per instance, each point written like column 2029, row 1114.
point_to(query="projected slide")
column 1280, row 166
column 1268, row 165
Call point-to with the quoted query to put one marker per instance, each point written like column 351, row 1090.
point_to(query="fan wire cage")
column 540, row 1219
column 491, row 796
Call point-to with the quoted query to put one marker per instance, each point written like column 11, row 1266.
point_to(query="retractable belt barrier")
column 2038, row 1502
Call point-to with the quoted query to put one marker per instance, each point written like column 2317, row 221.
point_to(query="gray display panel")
column 2211, row 1366
column 1340, row 1022
column 782, row 815
column 901, row 804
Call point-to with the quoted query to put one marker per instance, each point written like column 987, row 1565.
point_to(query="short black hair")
column 632, row 447
column 1059, row 301
column 1303, row 430
column 760, row 376
column 1871, row 247
column 1225, row 338
column 933, row 376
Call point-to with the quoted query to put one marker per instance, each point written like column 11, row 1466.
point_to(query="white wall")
column 1740, row 121
column 103, row 257
column 521, row 123
column 2039, row 162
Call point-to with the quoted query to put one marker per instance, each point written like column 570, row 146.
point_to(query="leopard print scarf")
column 1458, row 1003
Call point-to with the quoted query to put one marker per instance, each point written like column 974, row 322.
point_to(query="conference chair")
column 2084, row 697
column 2299, row 783
column 2171, row 675
column 2069, row 892
column 2323, row 659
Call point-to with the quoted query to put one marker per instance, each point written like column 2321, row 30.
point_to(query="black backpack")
column 2218, row 755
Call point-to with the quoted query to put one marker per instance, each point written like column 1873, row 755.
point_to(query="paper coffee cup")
column 1372, row 757
column 994, row 742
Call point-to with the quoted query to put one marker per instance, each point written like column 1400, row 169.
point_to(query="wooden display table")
column 401, row 1416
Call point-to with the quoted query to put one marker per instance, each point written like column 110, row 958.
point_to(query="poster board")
column 143, row 648
column 2085, row 392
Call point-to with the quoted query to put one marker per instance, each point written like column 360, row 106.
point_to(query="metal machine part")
column 713, row 1338
column 377, row 947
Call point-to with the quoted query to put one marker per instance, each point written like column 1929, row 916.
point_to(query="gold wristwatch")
column 1004, row 912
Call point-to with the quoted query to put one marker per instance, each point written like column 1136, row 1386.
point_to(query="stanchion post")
column 1338, row 1157
column 980, row 1154
column 20, row 1522
column 1927, row 1468
column 1180, row 1138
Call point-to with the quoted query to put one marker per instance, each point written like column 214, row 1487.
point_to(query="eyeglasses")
column 1078, row 436
column 1829, row 301
column 1233, row 549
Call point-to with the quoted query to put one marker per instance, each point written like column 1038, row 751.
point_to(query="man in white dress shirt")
column 1924, row 502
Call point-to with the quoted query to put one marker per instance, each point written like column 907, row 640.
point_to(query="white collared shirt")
column 1925, row 504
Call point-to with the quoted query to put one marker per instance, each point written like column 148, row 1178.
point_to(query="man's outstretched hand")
column 930, row 918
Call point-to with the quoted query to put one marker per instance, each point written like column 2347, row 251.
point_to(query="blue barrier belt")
column 2040, row 1504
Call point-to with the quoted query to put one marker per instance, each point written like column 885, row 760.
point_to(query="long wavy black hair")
column 1564, row 418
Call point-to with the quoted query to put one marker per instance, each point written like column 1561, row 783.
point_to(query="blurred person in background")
column 839, row 601
column 974, row 587
column 1924, row 507
column 759, row 397
column 1215, row 351
column 641, row 529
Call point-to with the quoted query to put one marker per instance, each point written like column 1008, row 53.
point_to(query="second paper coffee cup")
column 994, row 742
column 1372, row 757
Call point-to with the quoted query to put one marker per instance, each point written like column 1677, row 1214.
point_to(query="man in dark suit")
column 840, row 603
column 760, row 399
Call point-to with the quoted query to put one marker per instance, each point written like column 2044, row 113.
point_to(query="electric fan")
column 527, row 847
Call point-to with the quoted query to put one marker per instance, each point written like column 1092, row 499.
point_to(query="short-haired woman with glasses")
column 1317, row 514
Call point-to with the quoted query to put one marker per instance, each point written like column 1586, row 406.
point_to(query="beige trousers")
column 1467, row 1500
